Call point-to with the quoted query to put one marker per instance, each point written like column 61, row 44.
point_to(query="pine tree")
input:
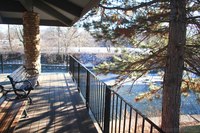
column 162, row 25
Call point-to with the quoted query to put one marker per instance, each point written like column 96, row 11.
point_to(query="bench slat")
column 2, row 99
column 17, row 71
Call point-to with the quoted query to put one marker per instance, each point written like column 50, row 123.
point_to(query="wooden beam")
column 1, row 21
column 11, row 6
column 6, row 20
column 51, row 11
column 28, row 4
column 87, row 7
column 51, row 23
column 67, row 6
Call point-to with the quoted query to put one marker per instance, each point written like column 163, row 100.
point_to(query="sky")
column 4, row 27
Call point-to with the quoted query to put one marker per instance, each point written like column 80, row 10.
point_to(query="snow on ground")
column 110, row 79
column 111, row 50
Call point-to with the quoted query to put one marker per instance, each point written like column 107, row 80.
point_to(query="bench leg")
column 4, row 91
column 30, row 100
column 25, row 113
column 25, row 96
column 37, row 84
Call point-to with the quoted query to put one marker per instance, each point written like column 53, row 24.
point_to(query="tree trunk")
column 9, row 38
column 174, row 67
column 58, row 33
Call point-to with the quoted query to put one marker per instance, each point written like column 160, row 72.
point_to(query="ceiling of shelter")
column 51, row 12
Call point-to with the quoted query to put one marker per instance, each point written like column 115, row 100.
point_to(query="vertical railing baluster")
column 101, row 106
column 98, row 99
column 74, row 67
column 103, row 103
column 88, row 91
column 136, row 119
column 124, row 127
column 130, row 117
column 113, row 102
column 107, row 110
column 120, row 113
column 67, row 62
column 79, row 89
column 95, row 97
column 116, row 113
column 71, row 65
column 143, row 122
column 2, row 64
column 151, row 129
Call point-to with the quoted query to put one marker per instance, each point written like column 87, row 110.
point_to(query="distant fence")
column 10, row 62
column 112, row 113
column 49, row 62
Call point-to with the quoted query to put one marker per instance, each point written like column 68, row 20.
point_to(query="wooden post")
column 31, row 37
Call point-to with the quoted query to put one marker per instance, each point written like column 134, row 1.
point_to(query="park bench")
column 11, row 110
column 23, row 80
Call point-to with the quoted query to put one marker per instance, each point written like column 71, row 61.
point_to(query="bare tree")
column 9, row 38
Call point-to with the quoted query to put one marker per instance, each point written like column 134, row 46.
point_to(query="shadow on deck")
column 57, row 107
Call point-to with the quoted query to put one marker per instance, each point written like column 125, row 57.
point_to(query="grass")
column 191, row 129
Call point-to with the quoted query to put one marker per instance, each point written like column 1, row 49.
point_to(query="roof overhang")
column 51, row 12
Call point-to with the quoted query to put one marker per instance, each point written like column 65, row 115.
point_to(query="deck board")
column 57, row 107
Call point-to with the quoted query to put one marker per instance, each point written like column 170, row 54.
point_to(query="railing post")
column 88, row 90
column 107, row 110
column 67, row 62
column 78, row 76
column 1, row 63
column 73, row 67
column 70, row 64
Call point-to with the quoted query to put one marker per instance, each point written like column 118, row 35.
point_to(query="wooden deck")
column 57, row 107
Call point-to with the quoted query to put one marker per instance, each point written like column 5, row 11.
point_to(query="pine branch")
column 143, row 4
column 195, row 70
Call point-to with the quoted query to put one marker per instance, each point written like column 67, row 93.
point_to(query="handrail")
column 85, row 67
column 110, row 110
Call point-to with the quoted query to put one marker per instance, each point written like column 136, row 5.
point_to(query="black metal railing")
column 49, row 63
column 112, row 113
